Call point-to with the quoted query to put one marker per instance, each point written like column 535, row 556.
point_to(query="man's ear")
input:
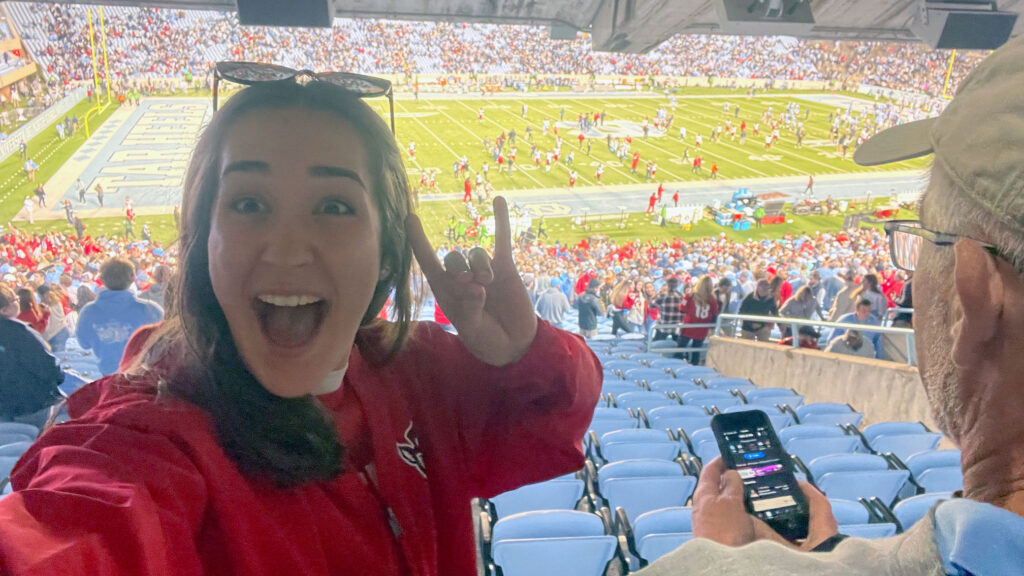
column 979, row 286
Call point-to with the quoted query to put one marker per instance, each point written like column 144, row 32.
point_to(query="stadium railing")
column 728, row 325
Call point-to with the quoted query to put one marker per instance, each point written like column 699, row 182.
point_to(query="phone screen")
column 750, row 446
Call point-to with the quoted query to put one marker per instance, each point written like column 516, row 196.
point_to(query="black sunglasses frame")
column 384, row 87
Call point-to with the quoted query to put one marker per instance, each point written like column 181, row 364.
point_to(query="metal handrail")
column 795, row 323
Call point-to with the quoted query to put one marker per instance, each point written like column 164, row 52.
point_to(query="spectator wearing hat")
column 843, row 302
column 552, row 303
column 967, row 256
column 808, row 338
column 590, row 307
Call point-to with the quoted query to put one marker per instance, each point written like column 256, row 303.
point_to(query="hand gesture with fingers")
column 484, row 298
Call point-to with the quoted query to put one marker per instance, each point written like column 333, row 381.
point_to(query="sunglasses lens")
column 250, row 72
column 356, row 84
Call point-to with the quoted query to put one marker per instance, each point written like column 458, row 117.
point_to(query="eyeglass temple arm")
column 391, row 105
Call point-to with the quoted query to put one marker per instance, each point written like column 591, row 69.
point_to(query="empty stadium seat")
column 854, row 519
column 670, row 363
column 642, row 399
column 778, row 419
column 742, row 384
column 12, row 437
column 645, row 374
column 608, row 419
column 14, row 449
column 635, row 444
column 687, row 418
column 621, row 365
column 709, row 398
column 659, row 532
column 905, row 445
column 560, row 493
column 704, row 445
column 853, row 476
column 910, row 510
column 893, row 428
column 7, row 464
column 671, row 385
column 639, row 486
column 616, row 387
column 829, row 413
column 773, row 396
column 918, row 463
column 691, row 372
column 808, row 441
column 551, row 542
column 942, row 479
column 645, row 357
column 19, row 428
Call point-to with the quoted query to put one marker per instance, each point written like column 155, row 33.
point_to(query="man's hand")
column 719, row 512
column 484, row 298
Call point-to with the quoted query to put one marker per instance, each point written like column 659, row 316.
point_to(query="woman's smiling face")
column 294, row 245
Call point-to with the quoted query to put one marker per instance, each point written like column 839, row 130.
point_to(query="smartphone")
column 750, row 446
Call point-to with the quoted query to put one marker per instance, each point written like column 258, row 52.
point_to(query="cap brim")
column 899, row 143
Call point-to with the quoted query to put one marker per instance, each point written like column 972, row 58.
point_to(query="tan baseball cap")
column 978, row 140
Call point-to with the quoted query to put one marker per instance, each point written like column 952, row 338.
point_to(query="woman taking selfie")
column 272, row 425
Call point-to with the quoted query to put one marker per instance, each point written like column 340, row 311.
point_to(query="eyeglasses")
column 906, row 237
column 250, row 73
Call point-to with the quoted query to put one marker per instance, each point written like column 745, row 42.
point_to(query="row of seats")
column 649, row 439
column 15, row 439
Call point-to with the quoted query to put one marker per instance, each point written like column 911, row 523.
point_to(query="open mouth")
column 290, row 321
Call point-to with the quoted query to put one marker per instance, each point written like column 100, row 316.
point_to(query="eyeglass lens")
column 905, row 249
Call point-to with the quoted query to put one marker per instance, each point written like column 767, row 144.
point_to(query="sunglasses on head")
column 251, row 73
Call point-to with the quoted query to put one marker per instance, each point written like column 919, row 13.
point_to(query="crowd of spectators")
column 161, row 43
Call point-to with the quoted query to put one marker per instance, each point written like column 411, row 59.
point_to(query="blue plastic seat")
column 709, row 398
column 689, row 418
column 723, row 383
column 910, row 510
column 12, row 437
column 645, row 357
column 14, row 449
column 646, row 374
column 905, row 445
column 637, row 444
column 922, row 461
column 855, row 520
column 854, row 476
column 72, row 382
column 563, row 542
column 773, row 396
column 621, row 365
column 833, row 418
column 942, row 479
column 643, row 399
column 639, row 486
column 7, row 464
column 809, row 442
column 557, row 494
column 670, row 363
column 19, row 428
column 616, row 387
column 691, row 372
column 671, row 385
column 892, row 428
column 659, row 532
column 608, row 419
column 778, row 419
column 611, row 375
column 705, row 445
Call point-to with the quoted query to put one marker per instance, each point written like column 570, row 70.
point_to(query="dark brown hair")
column 117, row 273
column 289, row 440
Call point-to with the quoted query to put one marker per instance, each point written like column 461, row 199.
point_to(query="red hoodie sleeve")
column 521, row 423
column 102, row 499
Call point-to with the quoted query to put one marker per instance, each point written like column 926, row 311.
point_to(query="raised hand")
column 484, row 298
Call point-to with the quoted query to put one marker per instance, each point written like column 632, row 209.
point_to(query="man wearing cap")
column 552, row 303
column 967, row 254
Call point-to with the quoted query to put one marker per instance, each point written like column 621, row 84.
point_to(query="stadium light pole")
column 92, row 54
column 949, row 72
column 106, row 65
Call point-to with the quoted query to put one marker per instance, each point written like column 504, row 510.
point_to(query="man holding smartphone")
column 967, row 253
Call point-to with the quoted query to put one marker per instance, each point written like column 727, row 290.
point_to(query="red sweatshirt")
column 137, row 486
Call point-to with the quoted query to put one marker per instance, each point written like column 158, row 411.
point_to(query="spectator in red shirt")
column 700, row 308
column 31, row 312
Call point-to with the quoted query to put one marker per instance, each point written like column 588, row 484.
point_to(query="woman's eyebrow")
column 248, row 166
column 325, row 171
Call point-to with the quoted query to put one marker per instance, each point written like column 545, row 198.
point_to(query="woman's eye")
column 334, row 207
column 248, row 206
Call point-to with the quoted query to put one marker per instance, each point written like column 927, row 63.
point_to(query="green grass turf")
column 444, row 130
column 50, row 153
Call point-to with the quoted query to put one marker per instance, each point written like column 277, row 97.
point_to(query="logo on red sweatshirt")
column 410, row 453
